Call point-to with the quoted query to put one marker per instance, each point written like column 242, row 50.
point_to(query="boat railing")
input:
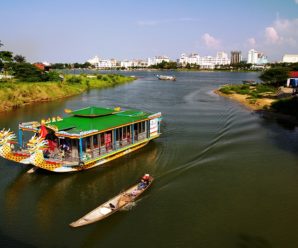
column 99, row 151
column 96, row 151
column 141, row 136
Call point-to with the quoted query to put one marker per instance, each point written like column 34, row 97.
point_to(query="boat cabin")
column 92, row 134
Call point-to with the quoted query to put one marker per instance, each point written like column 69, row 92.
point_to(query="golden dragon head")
column 35, row 145
column 6, row 138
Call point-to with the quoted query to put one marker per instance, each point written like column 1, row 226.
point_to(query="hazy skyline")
column 74, row 31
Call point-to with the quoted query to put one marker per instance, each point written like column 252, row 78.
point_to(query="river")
column 224, row 176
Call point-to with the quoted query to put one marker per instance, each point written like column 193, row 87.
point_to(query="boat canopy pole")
column 158, row 125
column 114, row 138
column 20, row 136
column 147, row 129
column 132, row 134
column 81, row 148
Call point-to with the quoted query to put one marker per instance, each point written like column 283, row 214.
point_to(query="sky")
column 75, row 30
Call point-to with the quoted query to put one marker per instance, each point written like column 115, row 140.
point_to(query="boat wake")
column 212, row 150
column 129, row 206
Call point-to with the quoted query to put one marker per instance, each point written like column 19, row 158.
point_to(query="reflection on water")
column 246, row 241
column 225, row 177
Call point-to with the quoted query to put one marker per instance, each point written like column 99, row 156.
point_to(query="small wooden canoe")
column 113, row 205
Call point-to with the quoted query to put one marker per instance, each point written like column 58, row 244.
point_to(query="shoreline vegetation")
column 15, row 94
column 273, row 103
column 269, row 97
column 254, row 97
column 23, row 83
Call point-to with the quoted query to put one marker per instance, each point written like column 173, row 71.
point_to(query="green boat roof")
column 93, row 112
column 94, row 119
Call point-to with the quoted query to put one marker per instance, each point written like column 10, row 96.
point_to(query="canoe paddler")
column 145, row 180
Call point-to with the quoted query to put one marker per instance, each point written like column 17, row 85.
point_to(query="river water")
column 225, row 176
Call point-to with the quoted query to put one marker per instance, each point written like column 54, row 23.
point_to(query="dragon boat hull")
column 90, row 137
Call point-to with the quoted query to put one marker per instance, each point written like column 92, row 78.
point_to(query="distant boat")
column 115, row 204
column 250, row 82
column 166, row 77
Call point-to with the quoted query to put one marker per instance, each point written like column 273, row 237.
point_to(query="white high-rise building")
column 102, row 63
column 206, row 62
column 290, row 58
column 252, row 57
column 222, row 59
column 94, row 61
column 126, row 63
column 160, row 59
column 157, row 60
column 256, row 58
column 192, row 58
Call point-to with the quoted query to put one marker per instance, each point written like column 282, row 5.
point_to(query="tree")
column 6, row 56
column 276, row 76
column 52, row 76
column 294, row 67
column 59, row 66
column 77, row 65
column 19, row 59
column 27, row 72
column 5, row 60
column 165, row 65
column 187, row 66
column 86, row 65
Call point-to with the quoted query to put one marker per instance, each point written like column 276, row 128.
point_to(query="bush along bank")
column 265, row 98
column 286, row 106
column 256, row 97
column 15, row 94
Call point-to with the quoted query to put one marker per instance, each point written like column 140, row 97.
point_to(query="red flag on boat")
column 43, row 131
column 52, row 145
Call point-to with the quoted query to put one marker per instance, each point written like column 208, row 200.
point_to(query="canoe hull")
column 105, row 210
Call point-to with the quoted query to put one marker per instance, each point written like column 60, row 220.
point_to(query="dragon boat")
column 84, row 139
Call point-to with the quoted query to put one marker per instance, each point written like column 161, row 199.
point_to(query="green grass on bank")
column 253, row 92
column 286, row 106
column 17, row 94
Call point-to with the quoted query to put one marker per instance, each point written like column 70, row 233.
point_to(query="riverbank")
column 17, row 94
column 258, row 104
column 277, row 105
column 255, row 97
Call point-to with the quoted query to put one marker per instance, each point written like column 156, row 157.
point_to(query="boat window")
column 119, row 134
column 95, row 140
column 108, row 140
column 135, row 128
column 75, row 148
column 84, row 144
column 102, row 139
column 88, row 142
column 124, row 132
column 140, row 127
